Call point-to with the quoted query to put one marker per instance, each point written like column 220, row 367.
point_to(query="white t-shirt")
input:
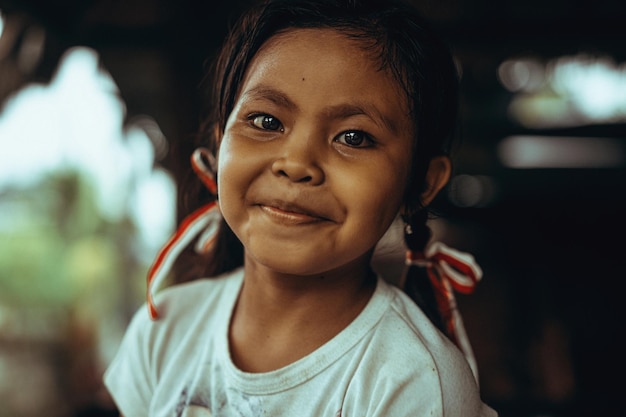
column 390, row 361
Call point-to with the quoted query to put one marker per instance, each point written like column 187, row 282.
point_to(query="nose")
column 298, row 161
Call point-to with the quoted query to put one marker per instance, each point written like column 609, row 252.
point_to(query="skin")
column 312, row 168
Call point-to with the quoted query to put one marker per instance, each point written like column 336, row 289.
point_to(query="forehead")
column 323, row 38
column 325, row 62
column 327, row 44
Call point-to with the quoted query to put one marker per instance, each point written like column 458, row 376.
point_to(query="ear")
column 437, row 176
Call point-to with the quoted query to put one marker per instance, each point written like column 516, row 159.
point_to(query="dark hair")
column 403, row 44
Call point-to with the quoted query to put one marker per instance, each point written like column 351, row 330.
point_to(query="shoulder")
column 184, row 309
column 412, row 353
column 189, row 313
column 412, row 333
column 196, row 296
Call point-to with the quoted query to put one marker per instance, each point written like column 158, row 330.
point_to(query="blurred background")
column 99, row 100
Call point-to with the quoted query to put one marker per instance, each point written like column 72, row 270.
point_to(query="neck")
column 280, row 318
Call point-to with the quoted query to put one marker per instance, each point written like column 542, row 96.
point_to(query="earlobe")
column 437, row 176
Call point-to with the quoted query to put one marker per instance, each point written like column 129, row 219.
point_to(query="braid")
column 417, row 285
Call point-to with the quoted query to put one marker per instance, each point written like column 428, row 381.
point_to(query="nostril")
column 294, row 178
column 297, row 172
column 282, row 173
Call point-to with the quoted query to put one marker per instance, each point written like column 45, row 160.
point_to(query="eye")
column 355, row 138
column 266, row 122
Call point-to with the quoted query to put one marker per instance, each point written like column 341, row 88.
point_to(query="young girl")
column 331, row 119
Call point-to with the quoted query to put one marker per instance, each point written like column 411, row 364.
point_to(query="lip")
column 290, row 213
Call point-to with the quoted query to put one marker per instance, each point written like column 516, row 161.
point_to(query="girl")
column 331, row 118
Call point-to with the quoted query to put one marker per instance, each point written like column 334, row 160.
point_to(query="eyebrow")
column 340, row 111
column 276, row 96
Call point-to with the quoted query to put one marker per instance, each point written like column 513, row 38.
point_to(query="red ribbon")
column 448, row 270
column 203, row 221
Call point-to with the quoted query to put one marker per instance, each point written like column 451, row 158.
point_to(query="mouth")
column 291, row 214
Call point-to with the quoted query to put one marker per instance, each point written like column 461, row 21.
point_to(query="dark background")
column 546, row 319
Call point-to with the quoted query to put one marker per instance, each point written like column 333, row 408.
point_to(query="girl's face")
column 315, row 155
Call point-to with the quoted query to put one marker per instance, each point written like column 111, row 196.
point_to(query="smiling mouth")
column 291, row 215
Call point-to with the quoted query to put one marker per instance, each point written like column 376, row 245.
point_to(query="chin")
column 307, row 263
column 299, row 268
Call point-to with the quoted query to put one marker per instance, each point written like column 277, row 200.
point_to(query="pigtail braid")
column 417, row 285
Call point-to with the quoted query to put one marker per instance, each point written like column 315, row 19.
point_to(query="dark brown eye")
column 355, row 138
column 266, row 122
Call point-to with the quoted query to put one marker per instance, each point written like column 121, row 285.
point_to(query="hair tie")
column 449, row 269
column 202, row 171
column 458, row 268
column 203, row 222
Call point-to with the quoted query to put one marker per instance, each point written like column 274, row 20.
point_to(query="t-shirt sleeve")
column 129, row 377
column 404, row 395
column 411, row 370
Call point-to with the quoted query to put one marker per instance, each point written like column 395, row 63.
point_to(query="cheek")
column 224, row 158
column 387, row 199
column 238, row 170
column 232, row 165
column 393, row 178
column 223, row 161
column 229, row 179
column 377, row 193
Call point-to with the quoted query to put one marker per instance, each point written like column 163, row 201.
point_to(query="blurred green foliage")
column 55, row 247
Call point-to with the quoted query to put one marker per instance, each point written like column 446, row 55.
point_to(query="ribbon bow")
column 448, row 267
column 448, row 270
column 203, row 221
